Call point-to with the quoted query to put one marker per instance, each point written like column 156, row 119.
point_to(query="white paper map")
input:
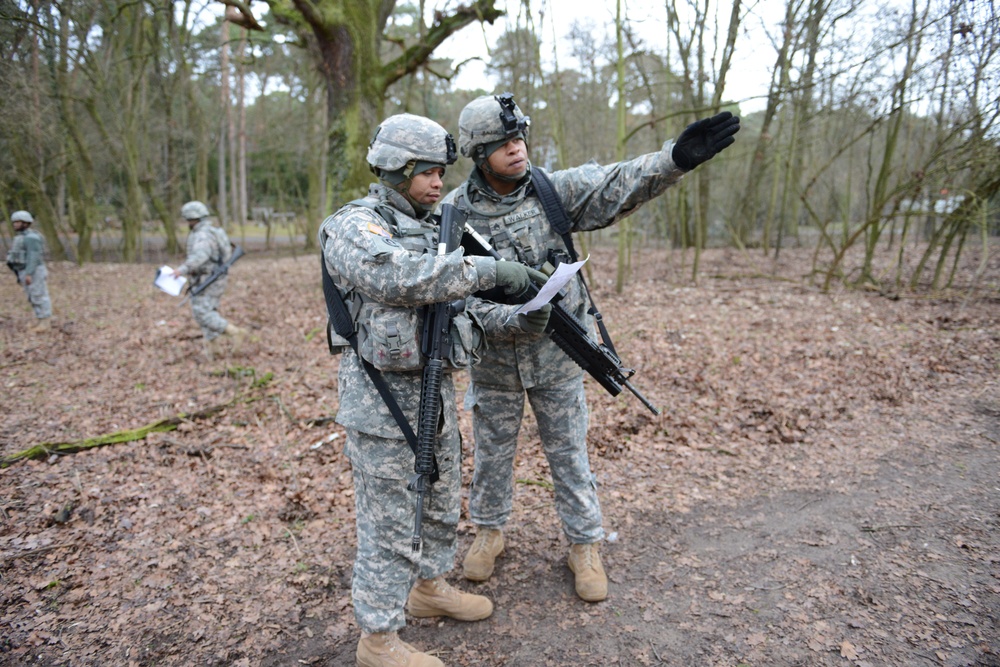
column 165, row 281
column 563, row 274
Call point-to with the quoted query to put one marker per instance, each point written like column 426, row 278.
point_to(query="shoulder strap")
column 554, row 209
column 556, row 213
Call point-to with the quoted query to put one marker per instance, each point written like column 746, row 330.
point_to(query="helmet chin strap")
column 485, row 166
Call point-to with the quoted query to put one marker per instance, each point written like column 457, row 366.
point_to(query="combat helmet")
column 21, row 216
column 487, row 123
column 406, row 144
column 194, row 210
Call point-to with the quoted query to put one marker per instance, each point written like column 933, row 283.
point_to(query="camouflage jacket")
column 386, row 257
column 27, row 252
column 207, row 248
column 595, row 196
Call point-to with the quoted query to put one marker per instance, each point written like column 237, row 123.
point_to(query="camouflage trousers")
column 561, row 412
column 38, row 293
column 205, row 308
column 385, row 568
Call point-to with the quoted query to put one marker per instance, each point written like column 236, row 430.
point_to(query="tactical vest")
column 389, row 336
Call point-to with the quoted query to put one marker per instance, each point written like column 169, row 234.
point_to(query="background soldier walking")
column 26, row 258
column 208, row 248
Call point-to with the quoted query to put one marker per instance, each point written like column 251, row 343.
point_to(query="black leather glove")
column 515, row 277
column 704, row 139
column 536, row 320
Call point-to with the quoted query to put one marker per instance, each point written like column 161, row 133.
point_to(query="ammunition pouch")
column 389, row 339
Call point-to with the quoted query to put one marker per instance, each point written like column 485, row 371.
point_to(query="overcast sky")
column 748, row 78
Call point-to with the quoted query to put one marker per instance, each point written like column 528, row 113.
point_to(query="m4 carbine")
column 572, row 337
column 435, row 346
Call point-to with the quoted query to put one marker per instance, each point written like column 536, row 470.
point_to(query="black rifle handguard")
column 436, row 346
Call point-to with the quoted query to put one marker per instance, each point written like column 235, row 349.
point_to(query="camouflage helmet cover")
column 406, row 138
column 21, row 216
column 490, row 119
column 194, row 210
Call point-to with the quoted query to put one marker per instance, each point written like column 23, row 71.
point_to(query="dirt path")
column 894, row 562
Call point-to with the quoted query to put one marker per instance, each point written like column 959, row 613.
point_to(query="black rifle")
column 566, row 331
column 219, row 271
column 16, row 274
column 436, row 347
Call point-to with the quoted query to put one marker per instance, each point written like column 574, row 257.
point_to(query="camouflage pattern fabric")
column 27, row 255
column 207, row 248
column 393, row 262
column 205, row 309
column 594, row 196
column 386, row 568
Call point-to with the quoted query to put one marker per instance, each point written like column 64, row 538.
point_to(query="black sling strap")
column 555, row 211
column 343, row 324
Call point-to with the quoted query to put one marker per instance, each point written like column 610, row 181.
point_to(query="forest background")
column 879, row 122
column 814, row 311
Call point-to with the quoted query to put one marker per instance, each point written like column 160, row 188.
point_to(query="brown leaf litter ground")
column 822, row 487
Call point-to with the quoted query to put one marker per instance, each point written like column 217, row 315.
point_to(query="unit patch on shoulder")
column 375, row 229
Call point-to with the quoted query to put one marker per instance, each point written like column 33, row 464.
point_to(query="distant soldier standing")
column 26, row 258
column 208, row 248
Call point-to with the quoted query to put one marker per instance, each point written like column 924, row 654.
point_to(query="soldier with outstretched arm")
column 502, row 201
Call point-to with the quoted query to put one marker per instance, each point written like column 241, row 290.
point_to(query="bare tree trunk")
column 223, row 123
column 242, row 131
column 624, row 226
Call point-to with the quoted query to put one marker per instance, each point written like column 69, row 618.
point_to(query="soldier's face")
column 511, row 159
column 425, row 187
column 19, row 225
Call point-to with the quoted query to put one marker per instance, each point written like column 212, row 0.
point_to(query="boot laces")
column 480, row 544
column 587, row 556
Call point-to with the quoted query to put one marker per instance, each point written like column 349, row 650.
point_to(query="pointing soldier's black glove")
column 515, row 277
column 704, row 139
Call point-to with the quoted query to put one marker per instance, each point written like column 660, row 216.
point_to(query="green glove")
column 515, row 278
column 536, row 320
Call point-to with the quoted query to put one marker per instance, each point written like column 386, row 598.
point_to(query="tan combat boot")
column 210, row 348
column 479, row 562
column 591, row 582
column 42, row 325
column 386, row 649
column 238, row 335
column 436, row 597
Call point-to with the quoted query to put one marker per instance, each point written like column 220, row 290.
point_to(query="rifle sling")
column 343, row 324
column 556, row 213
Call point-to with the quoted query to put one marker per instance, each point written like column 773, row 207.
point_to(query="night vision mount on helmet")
column 482, row 128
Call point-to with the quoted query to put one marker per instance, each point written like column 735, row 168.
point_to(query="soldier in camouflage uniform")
column 380, row 252
column 26, row 258
column 208, row 248
column 502, row 205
